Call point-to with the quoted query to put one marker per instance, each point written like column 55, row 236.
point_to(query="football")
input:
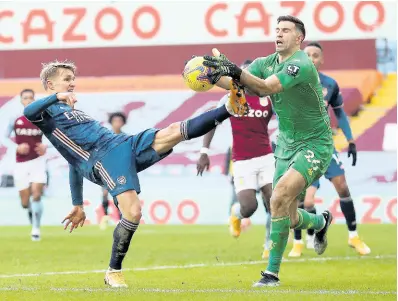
column 196, row 76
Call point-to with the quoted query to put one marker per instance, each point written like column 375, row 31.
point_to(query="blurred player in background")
column 253, row 160
column 30, row 171
column 335, row 171
column 229, row 172
column 107, row 159
column 305, row 145
column 117, row 121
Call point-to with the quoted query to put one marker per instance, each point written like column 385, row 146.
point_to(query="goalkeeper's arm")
column 224, row 82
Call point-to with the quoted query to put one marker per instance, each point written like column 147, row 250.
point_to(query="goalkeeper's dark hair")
column 117, row 114
column 27, row 90
column 299, row 24
column 315, row 44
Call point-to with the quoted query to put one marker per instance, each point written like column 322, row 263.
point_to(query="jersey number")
column 310, row 156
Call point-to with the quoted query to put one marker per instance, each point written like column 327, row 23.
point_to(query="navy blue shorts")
column 118, row 169
column 335, row 169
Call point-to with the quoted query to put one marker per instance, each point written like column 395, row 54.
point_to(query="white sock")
column 352, row 234
column 237, row 211
column 273, row 274
column 37, row 211
column 298, row 241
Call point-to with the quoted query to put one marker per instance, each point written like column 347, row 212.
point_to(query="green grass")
column 229, row 266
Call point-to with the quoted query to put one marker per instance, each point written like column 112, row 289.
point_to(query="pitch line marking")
column 202, row 265
column 206, row 291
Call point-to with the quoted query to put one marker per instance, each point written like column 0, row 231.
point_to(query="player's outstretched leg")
column 37, row 210
column 202, row 124
column 167, row 138
column 348, row 209
column 298, row 244
column 129, row 205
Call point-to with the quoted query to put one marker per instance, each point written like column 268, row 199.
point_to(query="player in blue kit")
column 335, row 172
column 107, row 159
column 117, row 120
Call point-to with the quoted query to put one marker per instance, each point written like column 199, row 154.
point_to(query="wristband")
column 204, row 150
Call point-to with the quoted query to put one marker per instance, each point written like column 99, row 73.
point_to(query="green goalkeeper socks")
column 309, row 220
column 280, row 227
column 278, row 240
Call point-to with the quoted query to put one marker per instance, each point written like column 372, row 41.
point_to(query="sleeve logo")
column 292, row 70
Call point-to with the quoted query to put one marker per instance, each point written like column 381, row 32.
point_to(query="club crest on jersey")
column 292, row 70
column 264, row 101
column 121, row 180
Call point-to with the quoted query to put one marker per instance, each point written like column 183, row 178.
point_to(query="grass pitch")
column 192, row 263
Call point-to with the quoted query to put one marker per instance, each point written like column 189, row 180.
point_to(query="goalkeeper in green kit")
column 304, row 147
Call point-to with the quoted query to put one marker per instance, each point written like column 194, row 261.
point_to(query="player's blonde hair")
column 50, row 69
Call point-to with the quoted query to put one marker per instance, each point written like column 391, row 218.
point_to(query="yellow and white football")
column 196, row 76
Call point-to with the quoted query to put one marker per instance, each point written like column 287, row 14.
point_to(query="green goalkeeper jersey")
column 301, row 112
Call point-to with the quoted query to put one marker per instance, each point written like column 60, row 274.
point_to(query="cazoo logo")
column 256, row 113
column 264, row 101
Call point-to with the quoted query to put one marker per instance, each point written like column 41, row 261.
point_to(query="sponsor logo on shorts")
column 310, row 171
column 121, row 180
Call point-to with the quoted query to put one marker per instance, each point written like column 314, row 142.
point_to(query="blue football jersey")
column 331, row 91
column 80, row 139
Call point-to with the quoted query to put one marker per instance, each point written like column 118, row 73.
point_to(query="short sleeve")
column 294, row 73
column 255, row 67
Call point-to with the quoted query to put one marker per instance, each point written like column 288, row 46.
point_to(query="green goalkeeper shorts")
column 311, row 161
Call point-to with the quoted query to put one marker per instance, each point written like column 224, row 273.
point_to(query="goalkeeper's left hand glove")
column 352, row 150
column 222, row 66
